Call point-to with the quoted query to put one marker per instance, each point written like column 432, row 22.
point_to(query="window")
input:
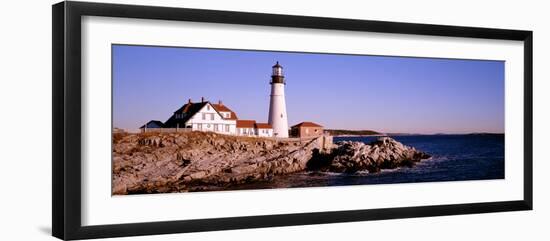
column 307, row 130
column 204, row 116
column 208, row 126
column 199, row 126
column 226, row 128
column 216, row 127
column 208, row 107
column 212, row 116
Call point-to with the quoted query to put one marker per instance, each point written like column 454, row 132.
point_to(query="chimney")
column 189, row 101
column 220, row 102
column 202, row 99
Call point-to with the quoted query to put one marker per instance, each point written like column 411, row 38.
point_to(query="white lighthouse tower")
column 277, row 106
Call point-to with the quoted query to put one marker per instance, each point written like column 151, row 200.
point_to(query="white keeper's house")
column 206, row 116
column 203, row 116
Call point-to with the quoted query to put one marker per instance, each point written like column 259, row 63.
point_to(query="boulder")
column 384, row 153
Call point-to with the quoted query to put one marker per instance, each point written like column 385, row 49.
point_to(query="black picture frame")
column 66, row 75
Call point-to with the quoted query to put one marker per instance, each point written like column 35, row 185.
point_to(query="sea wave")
column 313, row 173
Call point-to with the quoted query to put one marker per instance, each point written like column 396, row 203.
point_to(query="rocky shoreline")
column 194, row 161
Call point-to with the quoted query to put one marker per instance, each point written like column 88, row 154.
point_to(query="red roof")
column 246, row 123
column 223, row 108
column 263, row 126
column 307, row 124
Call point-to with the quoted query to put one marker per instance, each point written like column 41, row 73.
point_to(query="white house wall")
column 208, row 124
column 255, row 132
column 267, row 133
column 246, row 132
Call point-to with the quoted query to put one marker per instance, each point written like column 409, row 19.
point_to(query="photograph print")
column 200, row 119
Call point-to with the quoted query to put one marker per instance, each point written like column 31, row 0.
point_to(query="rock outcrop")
column 179, row 162
column 351, row 157
column 193, row 161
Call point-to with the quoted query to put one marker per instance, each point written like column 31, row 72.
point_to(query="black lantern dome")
column 277, row 74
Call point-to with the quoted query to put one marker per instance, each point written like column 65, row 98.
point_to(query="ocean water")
column 454, row 158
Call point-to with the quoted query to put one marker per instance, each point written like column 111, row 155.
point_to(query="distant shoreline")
column 416, row 134
column 358, row 135
column 348, row 133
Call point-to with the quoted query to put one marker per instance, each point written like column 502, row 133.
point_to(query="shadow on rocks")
column 319, row 161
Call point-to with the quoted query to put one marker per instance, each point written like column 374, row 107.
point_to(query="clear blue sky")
column 388, row 94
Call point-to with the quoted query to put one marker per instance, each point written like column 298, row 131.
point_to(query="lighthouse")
column 277, row 106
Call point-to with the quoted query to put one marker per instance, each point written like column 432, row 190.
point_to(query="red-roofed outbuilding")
column 306, row 129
